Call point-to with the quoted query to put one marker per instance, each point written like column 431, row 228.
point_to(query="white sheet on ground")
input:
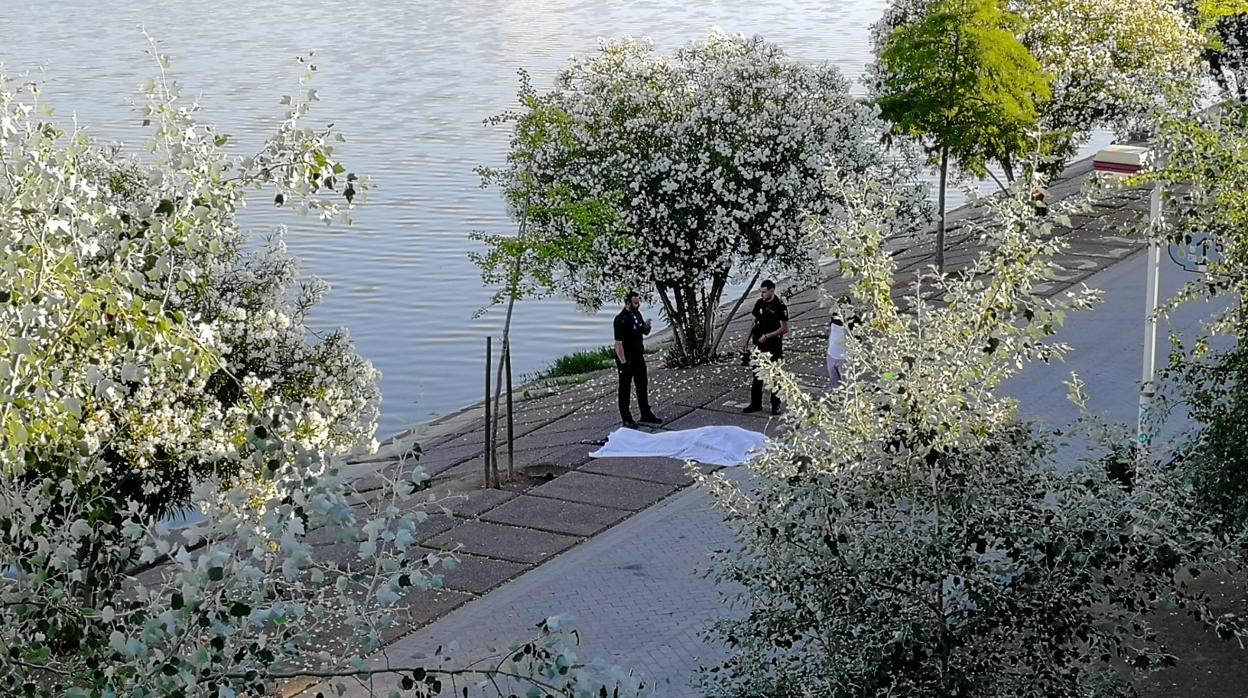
column 716, row 445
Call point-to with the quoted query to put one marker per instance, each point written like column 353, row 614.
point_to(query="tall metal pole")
column 1148, row 388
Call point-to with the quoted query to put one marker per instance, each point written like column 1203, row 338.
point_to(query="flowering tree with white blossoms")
column 150, row 363
column 677, row 175
column 911, row 537
column 1114, row 64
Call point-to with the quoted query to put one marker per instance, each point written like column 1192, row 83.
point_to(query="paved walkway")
column 638, row 595
column 638, row 592
column 560, row 498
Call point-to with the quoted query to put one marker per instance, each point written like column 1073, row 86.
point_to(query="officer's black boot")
column 756, row 397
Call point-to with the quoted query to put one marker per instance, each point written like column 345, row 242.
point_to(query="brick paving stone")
column 558, row 448
column 533, row 462
column 613, row 492
column 531, row 414
column 814, row 316
column 419, row 607
column 503, row 542
column 731, row 402
column 1070, row 277
column 555, row 435
column 592, row 418
column 667, row 410
column 472, row 471
column 636, row 603
column 436, row 459
column 476, row 574
column 472, row 503
column 812, row 366
column 1077, row 263
column 803, row 307
column 702, row 395
column 555, row 515
column 669, row 471
column 367, row 477
column 345, row 553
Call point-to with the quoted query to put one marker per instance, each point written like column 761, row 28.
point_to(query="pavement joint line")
column 678, row 488
column 478, row 519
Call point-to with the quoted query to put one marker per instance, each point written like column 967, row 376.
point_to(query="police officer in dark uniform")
column 771, row 323
column 630, row 359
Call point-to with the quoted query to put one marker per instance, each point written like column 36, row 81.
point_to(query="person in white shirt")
column 836, row 350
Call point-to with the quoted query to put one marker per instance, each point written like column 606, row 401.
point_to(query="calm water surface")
column 409, row 83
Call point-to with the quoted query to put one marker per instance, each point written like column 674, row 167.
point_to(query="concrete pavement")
column 638, row 592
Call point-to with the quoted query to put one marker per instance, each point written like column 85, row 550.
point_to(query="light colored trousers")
column 836, row 370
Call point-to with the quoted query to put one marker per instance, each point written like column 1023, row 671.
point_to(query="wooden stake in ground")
column 505, row 358
column 511, row 438
column 486, row 455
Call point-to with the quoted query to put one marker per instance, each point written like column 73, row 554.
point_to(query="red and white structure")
column 1120, row 160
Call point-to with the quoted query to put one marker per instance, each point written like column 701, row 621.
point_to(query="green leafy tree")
column 676, row 175
column 910, row 536
column 958, row 79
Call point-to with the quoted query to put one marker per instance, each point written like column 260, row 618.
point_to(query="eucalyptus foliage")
column 909, row 536
column 675, row 175
column 154, row 361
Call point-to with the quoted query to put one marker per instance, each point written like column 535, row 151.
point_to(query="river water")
column 409, row 82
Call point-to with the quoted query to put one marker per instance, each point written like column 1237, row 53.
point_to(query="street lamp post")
column 1119, row 161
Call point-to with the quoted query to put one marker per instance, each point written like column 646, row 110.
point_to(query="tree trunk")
column 504, row 357
column 712, row 308
column 940, row 226
column 691, row 312
column 719, row 338
column 1007, row 166
column 672, row 320
column 693, row 325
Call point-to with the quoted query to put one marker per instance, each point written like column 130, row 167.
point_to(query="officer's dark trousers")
column 633, row 372
column 756, row 388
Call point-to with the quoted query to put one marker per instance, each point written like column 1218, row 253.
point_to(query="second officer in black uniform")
column 771, row 323
column 630, row 360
